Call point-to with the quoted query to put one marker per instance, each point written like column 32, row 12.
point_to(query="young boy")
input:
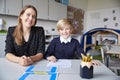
column 64, row 46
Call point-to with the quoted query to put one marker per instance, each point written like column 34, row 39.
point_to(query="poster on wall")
column 76, row 16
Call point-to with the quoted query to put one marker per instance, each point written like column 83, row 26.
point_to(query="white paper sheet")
column 63, row 63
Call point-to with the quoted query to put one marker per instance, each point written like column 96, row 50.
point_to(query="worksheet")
column 62, row 63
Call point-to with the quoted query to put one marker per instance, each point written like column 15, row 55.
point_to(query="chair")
column 103, row 50
column 111, row 62
column 95, row 53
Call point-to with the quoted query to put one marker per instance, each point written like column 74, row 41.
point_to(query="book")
column 62, row 63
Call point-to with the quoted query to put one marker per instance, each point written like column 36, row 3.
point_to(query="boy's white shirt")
column 65, row 40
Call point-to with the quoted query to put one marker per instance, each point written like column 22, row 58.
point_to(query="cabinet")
column 40, row 5
column 47, row 9
column 57, row 10
column 10, row 7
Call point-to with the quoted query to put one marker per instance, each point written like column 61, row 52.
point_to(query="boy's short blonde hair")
column 62, row 22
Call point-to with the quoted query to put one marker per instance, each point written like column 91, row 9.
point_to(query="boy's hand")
column 52, row 59
column 96, row 63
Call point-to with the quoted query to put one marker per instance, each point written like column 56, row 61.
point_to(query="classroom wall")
column 82, row 4
column 103, row 18
column 102, row 4
column 98, row 10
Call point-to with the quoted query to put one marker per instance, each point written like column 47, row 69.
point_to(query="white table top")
column 13, row 71
column 114, row 49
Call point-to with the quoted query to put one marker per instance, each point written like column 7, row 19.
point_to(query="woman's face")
column 28, row 18
column 65, row 32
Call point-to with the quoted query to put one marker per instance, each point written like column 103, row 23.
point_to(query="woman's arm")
column 23, row 60
column 41, row 46
column 37, row 57
column 9, row 48
column 12, row 57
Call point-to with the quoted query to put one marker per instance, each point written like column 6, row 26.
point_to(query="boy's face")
column 65, row 32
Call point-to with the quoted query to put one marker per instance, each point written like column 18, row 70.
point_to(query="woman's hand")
column 52, row 59
column 25, row 61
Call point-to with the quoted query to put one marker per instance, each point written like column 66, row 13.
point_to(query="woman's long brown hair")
column 18, row 33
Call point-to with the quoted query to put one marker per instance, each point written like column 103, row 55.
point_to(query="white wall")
column 103, row 18
column 100, row 9
column 102, row 4
column 82, row 4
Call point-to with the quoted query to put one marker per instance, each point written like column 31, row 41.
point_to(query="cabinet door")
column 40, row 5
column 13, row 7
column 57, row 10
column 2, row 6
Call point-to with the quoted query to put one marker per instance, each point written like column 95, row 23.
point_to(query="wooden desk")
column 13, row 71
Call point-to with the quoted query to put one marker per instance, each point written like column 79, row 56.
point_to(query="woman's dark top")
column 64, row 50
column 34, row 45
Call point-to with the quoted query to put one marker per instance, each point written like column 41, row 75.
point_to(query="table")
column 114, row 49
column 12, row 71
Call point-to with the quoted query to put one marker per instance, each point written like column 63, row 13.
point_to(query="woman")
column 25, row 43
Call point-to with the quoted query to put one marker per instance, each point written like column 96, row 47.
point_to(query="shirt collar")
column 65, row 40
